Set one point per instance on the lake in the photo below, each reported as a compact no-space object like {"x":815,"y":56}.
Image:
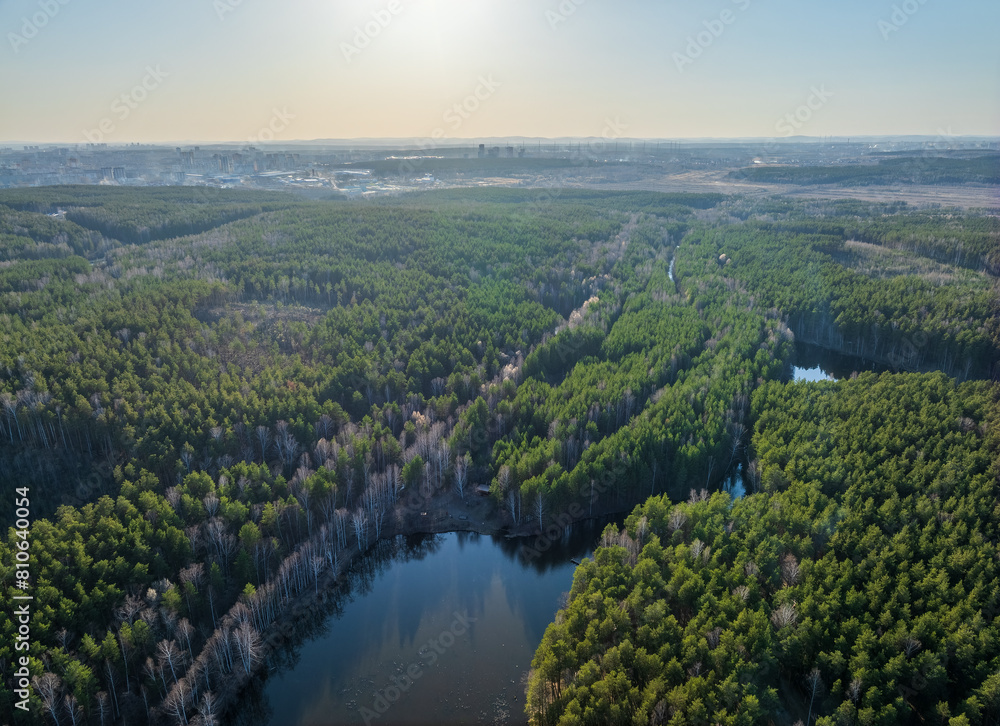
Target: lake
{"x":812,"y":363}
{"x":441,"y":629}
{"x":430,"y":629}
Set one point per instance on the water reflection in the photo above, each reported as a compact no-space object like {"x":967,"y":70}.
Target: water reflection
{"x":812,"y":375}
{"x":734,"y":485}
{"x":399,"y":599}
{"x":812,"y":363}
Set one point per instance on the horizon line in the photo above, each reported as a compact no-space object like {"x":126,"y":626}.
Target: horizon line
{"x":463,"y":141}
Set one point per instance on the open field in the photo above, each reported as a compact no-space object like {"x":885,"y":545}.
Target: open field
{"x":964,"y":196}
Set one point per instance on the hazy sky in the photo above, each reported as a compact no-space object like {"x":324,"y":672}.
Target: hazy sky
{"x":219,"y":70}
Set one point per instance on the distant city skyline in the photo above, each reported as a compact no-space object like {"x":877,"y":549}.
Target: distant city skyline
{"x":248,"y":71}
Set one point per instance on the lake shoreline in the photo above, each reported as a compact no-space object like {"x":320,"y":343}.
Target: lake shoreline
{"x":456,"y":515}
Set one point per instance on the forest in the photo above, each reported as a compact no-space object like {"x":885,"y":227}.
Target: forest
{"x":216,"y":398}
{"x":861,"y":578}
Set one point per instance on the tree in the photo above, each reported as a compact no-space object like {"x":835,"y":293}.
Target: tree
{"x":814,"y":681}
{"x":176,"y":703}
{"x":73,"y":708}
{"x":169,"y":655}
{"x":48,"y":686}
{"x":103,"y":707}
{"x":208,"y":709}
{"x":185,"y":630}
{"x":248,"y":646}
{"x":461,"y":472}
{"x":192,"y":577}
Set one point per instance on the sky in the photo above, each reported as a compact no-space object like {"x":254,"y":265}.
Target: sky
{"x":124,"y":71}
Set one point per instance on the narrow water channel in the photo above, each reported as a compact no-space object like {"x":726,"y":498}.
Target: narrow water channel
{"x":432,"y":629}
